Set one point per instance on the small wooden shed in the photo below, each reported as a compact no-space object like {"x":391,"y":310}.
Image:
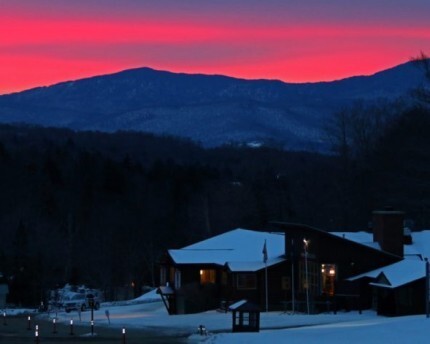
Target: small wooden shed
{"x":246,"y":316}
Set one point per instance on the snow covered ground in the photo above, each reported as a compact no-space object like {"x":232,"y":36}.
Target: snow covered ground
{"x":148,"y":312}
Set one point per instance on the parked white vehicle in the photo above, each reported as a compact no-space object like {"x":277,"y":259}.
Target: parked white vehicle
{"x":80,"y":302}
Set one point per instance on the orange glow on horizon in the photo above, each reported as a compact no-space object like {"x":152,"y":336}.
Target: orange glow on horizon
{"x":43,"y":51}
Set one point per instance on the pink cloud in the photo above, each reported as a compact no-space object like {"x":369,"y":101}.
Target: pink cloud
{"x":42,"y":49}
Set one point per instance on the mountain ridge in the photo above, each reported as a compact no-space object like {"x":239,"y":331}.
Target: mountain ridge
{"x":210,"y":109}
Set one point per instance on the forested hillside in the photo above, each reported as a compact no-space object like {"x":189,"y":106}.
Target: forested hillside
{"x":100,"y":209}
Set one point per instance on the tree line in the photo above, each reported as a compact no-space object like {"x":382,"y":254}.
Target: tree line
{"x":101,"y":209}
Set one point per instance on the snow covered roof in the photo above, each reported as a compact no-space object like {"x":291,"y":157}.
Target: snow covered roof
{"x":252,"y":265}
{"x":239,"y":249}
{"x":420,"y":246}
{"x":410,"y":269}
{"x":237,"y":304}
{"x":364,"y":238}
{"x":395,"y":275}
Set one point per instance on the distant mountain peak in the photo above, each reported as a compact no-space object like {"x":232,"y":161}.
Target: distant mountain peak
{"x":211,"y":109}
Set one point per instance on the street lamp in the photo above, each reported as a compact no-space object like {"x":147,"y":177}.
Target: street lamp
{"x":305,"y":247}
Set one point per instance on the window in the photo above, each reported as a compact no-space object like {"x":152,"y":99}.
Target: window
{"x":163,"y":275}
{"x":177,"y":279}
{"x":171,"y":274}
{"x":207,"y":276}
{"x":246,"y":281}
{"x":328,"y":278}
{"x":245,"y":319}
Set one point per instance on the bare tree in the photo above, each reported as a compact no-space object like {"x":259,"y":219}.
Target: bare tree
{"x":422,"y":61}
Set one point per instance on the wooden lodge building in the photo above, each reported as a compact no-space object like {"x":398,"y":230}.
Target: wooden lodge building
{"x":305,"y":269}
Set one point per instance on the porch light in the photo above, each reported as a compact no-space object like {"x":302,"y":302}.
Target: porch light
{"x":332,"y":272}
{"x":201,"y":272}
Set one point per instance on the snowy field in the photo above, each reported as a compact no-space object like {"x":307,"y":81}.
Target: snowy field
{"x":148,"y":312}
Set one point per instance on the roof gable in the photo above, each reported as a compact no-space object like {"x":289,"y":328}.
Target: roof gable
{"x":382,"y":279}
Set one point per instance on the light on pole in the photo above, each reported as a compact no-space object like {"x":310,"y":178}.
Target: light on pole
{"x":306,"y":246}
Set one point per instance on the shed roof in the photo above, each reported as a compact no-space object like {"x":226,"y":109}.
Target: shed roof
{"x":243,"y":305}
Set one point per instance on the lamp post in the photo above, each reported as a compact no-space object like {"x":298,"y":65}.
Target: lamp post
{"x":71,"y":327}
{"x":4,"y":319}
{"x":29,"y":323}
{"x":91,"y":302}
{"x":265,"y":257}
{"x":305,"y":246}
{"x":36,"y":334}
{"x":54,"y":326}
{"x":123,"y":335}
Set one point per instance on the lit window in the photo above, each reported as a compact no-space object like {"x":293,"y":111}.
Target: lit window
{"x":328,"y":278}
{"x":207,"y":276}
{"x":246,"y":281}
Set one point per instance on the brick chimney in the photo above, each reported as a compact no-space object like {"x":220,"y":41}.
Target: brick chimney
{"x":388,"y":230}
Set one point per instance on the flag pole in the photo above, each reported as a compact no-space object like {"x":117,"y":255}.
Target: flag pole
{"x":265,"y":274}
{"x":427,"y":287}
{"x":267,"y":294}
{"x":293,"y":296}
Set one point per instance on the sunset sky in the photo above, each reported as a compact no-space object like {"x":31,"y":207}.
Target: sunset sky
{"x":47,"y":41}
